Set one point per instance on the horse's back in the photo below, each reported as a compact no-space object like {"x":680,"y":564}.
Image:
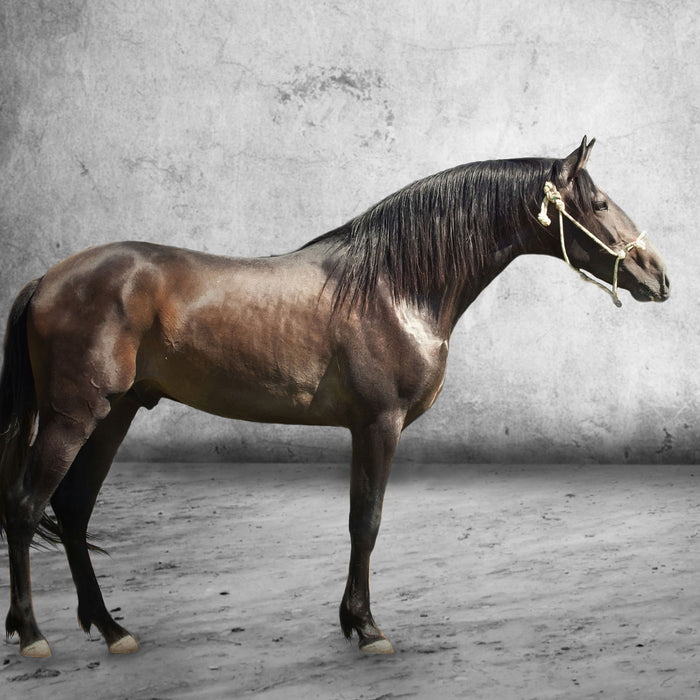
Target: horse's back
{"x":136,"y":281}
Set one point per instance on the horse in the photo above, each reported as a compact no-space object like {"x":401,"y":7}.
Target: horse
{"x":350,"y":330}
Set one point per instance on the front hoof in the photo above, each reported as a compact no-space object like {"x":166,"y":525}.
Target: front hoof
{"x":125,"y":645}
{"x":36,"y":650}
{"x":377,"y":645}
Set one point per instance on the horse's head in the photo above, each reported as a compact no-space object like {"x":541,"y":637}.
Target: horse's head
{"x":597,"y":236}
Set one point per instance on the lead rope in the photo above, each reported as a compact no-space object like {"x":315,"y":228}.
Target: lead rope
{"x":551,"y":195}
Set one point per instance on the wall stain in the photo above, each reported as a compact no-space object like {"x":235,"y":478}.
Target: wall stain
{"x":667,"y":444}
{"x":311,"y":83}
{"x":169,"y":175}
{"x":318,"y":97}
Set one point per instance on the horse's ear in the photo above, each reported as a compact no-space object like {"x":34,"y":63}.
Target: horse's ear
{"x":576,"y":161}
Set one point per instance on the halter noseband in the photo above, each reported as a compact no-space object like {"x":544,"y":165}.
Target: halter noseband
{"x":551,"y":195}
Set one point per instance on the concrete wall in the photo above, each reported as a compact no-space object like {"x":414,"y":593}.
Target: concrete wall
{"x":248,"y":128}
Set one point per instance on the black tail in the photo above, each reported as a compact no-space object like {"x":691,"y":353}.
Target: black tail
{"x":17,"y":398}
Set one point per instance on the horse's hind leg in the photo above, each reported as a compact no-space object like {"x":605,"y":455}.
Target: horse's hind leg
{"x":58,"y":440}
{"x":73,"y":503}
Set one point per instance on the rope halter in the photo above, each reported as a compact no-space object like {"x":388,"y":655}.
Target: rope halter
{"x":552,"y":196}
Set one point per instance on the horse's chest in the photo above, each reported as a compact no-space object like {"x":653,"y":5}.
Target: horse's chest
{"x":424,"y":377}
{"x":418,"y":357}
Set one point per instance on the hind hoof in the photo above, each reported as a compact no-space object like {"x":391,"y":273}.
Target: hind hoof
{"x":125,"y":645}
{"x":379,"y":645}
{"x":36,"y":650}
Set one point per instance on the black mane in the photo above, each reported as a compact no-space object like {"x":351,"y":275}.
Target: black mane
{"x":438,"y":229}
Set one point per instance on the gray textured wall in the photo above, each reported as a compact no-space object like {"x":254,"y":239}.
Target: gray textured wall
{"x":247,"y":128}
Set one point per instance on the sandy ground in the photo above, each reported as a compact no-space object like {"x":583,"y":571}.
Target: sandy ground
{"x":492,"y":582}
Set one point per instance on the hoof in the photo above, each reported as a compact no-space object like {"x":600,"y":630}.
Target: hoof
{"x":378,"y":645}
{"x":125,"y":645}
{"x":37,"y":650}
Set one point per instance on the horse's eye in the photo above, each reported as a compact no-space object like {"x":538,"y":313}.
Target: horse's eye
{"x":600,"y":205}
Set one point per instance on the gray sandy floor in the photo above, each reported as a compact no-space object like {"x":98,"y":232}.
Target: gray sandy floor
{"x":492,"y":582}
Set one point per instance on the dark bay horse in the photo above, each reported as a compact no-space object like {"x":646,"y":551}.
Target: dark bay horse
{"x":351,"y":330}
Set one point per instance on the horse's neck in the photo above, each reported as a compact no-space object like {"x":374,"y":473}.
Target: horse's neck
{"x":467,"y":290}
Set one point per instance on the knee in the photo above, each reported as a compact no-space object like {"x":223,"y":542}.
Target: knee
{"x":364,"y":527}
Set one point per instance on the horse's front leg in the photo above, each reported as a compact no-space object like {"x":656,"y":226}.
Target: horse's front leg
{"x":373,"y":447}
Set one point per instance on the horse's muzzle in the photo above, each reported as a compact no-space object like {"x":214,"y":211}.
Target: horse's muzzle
{"x":644,"y":292}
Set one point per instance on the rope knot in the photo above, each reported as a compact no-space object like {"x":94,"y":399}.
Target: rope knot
{"x":551,"y":191}
{"x":551,"y":195}
{"x":638,"y":242}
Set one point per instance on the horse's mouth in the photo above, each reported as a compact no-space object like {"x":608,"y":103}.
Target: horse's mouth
{"x":643,"y":292}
